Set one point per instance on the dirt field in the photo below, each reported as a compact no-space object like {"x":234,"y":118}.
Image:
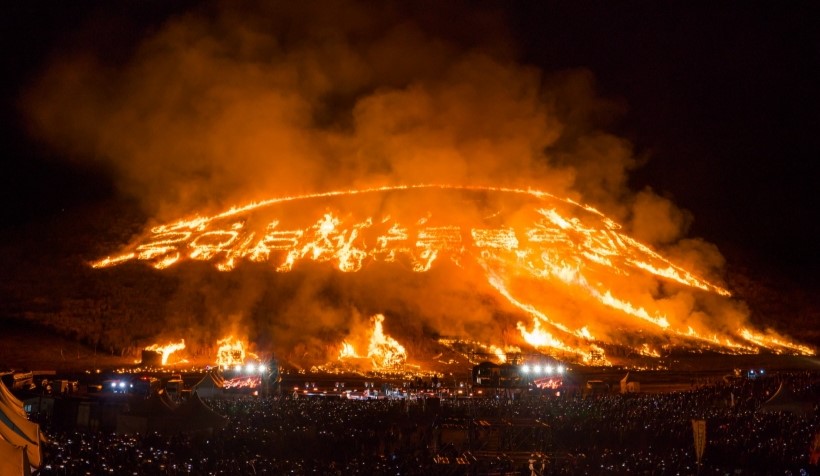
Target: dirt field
{"x":24,"y":347}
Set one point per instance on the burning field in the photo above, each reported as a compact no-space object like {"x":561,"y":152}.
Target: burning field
{"x":509,"y":268}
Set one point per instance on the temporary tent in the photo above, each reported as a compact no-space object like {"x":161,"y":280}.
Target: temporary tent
{"x":147,"y":415}
{"x":9,"y":399}
{"x":13,"y":460}
{"x":16,"y":429}
{"x":210,"y":386}
{"x":158,"y":413}
{"x":195,"y":415}
{"x":15,"y":406}
{"x":166,"y":399}
{"x":20,"y":424}
{"x":15,"y":438}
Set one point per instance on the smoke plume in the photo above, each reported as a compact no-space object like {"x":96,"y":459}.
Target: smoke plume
{"x":236,"y":102}
{"x":233,"y":103}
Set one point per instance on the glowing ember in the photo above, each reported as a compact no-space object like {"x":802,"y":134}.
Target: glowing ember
{"x":531,"y":247}
{"x":167,"y":350}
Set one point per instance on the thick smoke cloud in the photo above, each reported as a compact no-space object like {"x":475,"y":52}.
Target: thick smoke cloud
{"x":237,"y":102}
{"x":229,"y":104}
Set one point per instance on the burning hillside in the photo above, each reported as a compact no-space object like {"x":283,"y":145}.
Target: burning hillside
{"x":570,"y":274}
{"x":235,"y":103}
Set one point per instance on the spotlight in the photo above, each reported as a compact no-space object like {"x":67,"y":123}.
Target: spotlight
{"x":537,"y":369}
{"x":560,"y":369}
{"x":525,"y":369}
{"x":548,"y":369}
{"x":250,"y":368}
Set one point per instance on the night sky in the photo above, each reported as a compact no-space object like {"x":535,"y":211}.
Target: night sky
{"x":720,"y":102}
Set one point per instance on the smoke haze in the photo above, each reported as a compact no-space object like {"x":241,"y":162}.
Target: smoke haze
{"x":240,"y":102}
{"x":236,"y":102}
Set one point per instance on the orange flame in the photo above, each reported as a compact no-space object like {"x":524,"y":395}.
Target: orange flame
{"x":776,"y":343}
{"x":383,"y":351}
{"x":502,"y":352}
{"x":566,"y":244}
{"x":167,"y":350}
{"x":648,"y":351}
{"x":231,"y":352}
{"x":348,"y":351}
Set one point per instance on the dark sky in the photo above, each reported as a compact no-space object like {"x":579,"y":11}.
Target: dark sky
{"x":722,"y":100}
{"x":723,"y":97}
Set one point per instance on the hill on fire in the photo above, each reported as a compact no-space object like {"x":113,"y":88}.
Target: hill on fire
{"x":304,"y":313}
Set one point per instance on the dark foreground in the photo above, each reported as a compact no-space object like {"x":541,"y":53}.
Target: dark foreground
{"x":612,"y":434}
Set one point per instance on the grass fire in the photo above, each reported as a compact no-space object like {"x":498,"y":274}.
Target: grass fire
{"x":574,"y":281}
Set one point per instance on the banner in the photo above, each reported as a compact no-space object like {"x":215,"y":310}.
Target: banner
{"x":699,"y":431}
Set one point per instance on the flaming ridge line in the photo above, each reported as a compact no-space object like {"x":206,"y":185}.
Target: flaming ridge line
{"x":388,"y":188}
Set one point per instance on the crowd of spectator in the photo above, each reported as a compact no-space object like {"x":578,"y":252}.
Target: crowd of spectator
{"x":608,"y":434}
